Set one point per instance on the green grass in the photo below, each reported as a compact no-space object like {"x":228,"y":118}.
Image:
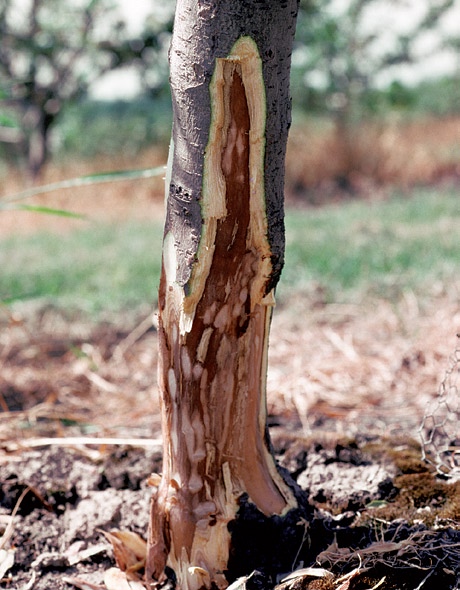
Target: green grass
{"x":347,"y":252}
{"x":379,"y":249}
{"x":97,"y":270}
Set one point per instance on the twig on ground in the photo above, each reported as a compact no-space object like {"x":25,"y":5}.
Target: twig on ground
{"x":79,"y":441}
{"x":10,"y":526}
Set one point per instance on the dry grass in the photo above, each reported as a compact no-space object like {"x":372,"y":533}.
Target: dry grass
{"x":134,"y":199}
{"x":347,"y":369}
{"x":396,"y":153}
{"x":336,"y":370}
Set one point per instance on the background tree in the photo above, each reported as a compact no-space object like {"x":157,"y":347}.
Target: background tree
{"x":343,"y":55}
{"x":221,"y":497}
{"x":51,"y":52}
{"x":147,"y":53}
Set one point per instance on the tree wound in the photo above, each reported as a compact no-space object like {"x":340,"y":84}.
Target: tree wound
{"x":213,"y":345}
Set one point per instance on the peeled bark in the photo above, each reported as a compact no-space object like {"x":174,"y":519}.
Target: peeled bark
{"x":222,"y":257}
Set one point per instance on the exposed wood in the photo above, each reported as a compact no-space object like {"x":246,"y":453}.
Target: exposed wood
{"x":216,"y":298}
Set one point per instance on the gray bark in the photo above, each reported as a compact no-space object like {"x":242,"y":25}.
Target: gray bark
{"x":204,"y":31}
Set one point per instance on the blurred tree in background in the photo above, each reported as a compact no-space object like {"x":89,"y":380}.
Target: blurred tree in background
{"x":346,"y":67}
{"x":345,"y":53}
{"x":48,"y":57}
{"x":51,"y":52}
{"x":345,"y":60}
{"x":147,"y":53}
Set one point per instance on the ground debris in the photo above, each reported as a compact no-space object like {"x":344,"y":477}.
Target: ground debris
{"x":381,"y":518}
{"x":347,"y":547}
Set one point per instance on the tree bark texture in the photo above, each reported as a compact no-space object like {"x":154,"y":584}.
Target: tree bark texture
{"x":222,"y":257}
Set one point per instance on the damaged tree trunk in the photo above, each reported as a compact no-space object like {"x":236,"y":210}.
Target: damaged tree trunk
{"x":222,"y":256}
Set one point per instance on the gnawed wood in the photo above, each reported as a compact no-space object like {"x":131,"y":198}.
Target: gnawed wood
{"x":216,"y":299}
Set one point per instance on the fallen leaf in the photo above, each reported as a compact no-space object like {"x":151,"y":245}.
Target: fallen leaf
{"x":301,"y":574}
{"x":78,"y":556}
{"x":312,"y":572}
{"x":129,"y":549}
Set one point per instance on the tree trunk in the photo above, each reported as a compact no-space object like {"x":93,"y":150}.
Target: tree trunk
{"x":222,"y":256}
{"x":37,"y":123}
